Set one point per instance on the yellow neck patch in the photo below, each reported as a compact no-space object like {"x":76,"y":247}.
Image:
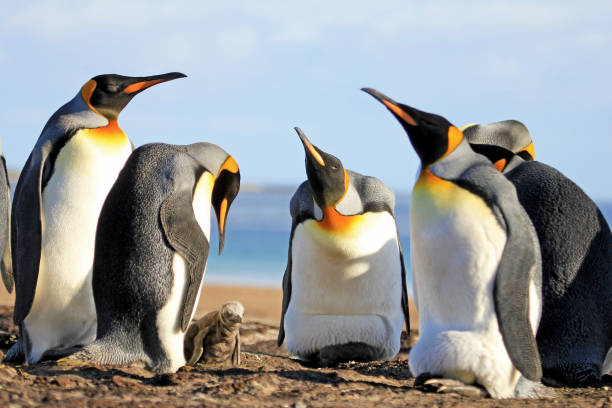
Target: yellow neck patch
{"x":334,"y":221}
{"x":110,"y":136}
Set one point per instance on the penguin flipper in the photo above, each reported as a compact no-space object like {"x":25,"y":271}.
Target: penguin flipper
{"x":286,"y":294}
{"x":185,"y":236}
{"x":512,"y":281}
{"x":26,"y":232}
{"x":301,"y":208}
{"x":6,"y":267}
{"x":405,"y":301}
{"x":519,"y":265}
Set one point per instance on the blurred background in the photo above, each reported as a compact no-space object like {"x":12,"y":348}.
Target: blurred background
{"x":257,"y":69}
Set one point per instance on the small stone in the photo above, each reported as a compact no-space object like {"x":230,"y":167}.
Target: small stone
{"x":300,"y":404}
{"x":67,"y":381}
{"x":166,"y":380}
{"x":7,"y":372}
{"x":125,"y":381}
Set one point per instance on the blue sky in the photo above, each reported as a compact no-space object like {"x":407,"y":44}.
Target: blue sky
{"x":257,"y":69}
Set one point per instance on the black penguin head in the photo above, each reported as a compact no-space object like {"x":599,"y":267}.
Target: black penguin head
{"x":499,"y":156}
{"x":227,"y":185}
{"x":109,"y":94}
{"x":226,"y":173}
{"x":431,"y":135}
{"x":327,"y":178}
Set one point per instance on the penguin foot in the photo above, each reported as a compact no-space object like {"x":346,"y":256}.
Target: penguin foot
{"x":71,"y":362}
{"x":428,"y":383}
{"x":15,"y":355}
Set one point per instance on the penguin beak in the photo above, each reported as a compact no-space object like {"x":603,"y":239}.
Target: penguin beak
{"x":401,"y":112}
{"x":311,"y":152}
{"x":139,"y":84}
{"x":224,"y":192}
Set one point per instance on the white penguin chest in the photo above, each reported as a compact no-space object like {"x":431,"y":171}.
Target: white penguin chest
{"x":356,"y":271}
{"x":456,"y":246}
{"x":83,"y":173}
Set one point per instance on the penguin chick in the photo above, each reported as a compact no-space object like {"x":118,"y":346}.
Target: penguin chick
{"x":215,"y":338}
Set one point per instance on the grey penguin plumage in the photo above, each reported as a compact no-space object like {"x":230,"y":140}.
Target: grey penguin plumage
{"x":475,"y":263}
{"x":575,"y":331}
{"x":215,"y":337}
{"x":6,"y":264}
{"x":152,"y":245}
{"x":55,"y":210}
{"x":344,"y":288}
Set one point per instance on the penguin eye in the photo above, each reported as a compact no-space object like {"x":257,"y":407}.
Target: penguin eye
{"x":334,"y":168}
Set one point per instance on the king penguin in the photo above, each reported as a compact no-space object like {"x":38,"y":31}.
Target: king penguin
{"x":152,"y":246}
{"x":55,"y":212}
{"x":344,"y":289}
{"x":6,"y":264}
{"x":575,"y":331}
{"x":475,"y":263}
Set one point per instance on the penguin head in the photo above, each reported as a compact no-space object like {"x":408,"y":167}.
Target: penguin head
{"x":431,"y":135}
{"x":499,"y":156}
{"x":511,"y":135}
{"x":225,"y":170}
{"x":108,"y":94}
{"x":327,"y":177}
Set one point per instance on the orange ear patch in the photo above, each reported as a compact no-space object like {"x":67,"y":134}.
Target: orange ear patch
{"x":500,"y":164}
{"x":139,"y":86}
{"x":230,"y":165}
{"x":529,"y":149}
{"x":86,"y":92}
{"x":455,"y":136}
{"x":400,"y":113}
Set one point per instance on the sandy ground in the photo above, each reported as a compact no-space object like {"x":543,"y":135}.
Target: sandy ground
{"x":267,"y":377}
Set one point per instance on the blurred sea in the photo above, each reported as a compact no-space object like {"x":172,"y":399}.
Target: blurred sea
{"x":257,"y":238}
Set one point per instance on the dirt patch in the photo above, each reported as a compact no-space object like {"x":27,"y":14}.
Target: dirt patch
{"x":266,"y":378}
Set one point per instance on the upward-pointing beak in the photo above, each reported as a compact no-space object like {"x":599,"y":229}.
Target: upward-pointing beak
{"x":142,"y":83}
{"x":311,"y":152}
{"x":393,"y":106}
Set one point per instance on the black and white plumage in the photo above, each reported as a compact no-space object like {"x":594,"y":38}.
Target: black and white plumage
{"x":475,"y":264}
{"x":152,"y":246}
{"x":55,"y":212}
{"x":344,"y":289}
{"x":575,"y":331}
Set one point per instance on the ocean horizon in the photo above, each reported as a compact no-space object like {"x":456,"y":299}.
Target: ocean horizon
{"x":257,"y":237}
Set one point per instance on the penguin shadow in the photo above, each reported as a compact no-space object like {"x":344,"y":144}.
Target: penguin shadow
{"x":82,"y":376}
{"x":336,"y":378}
